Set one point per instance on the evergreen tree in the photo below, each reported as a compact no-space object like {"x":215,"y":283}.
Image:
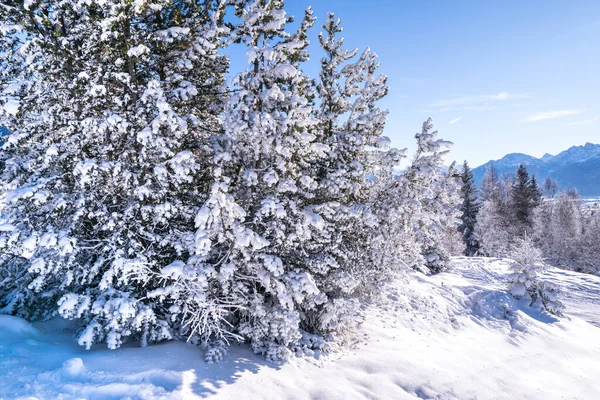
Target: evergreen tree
{"x":535,"y":192}
{"x":525,"y":197}
{"x":469,"y":209}
{"x":107,"y":158}
{"x":395,"y":246}
{"x":351,"y":124}
{"x":142,"y":201}
{"x":524,"y":281}
{"x":508,"y":212}
{"x":337,"y":173}
{"x":423,"y":186}
{"x":277,"y":238}
{"x":450,"y":196}
{"x":264,"y":189}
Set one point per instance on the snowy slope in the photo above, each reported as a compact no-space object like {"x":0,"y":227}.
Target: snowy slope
{"x":456,"y":335}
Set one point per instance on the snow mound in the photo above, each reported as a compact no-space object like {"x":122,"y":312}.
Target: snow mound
{"x":13,"y":327}
{"x":73,"y":367}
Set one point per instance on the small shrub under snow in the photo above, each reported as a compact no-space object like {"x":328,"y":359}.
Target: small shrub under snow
{"x":524,"y":280}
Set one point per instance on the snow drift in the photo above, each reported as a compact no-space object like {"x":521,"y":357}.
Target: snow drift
{"x":456,"y":335}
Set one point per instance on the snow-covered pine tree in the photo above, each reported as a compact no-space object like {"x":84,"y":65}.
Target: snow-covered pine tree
{"x":524,"y":280}
{"x":426,"y":192}
{"x":521,"y":195}
{"x":396,"y":245}
{"x":450,"y":197}
{"x":469,"y":209}
{"x":496,"y":225}
{"x":271,"y":154}
{"x":269,"y":240}
{"x":351,"y":124}
{"x":336,"y":176}
{"x":106,"y":161}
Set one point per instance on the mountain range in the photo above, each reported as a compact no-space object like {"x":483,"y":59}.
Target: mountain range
{"x":578,"y":167}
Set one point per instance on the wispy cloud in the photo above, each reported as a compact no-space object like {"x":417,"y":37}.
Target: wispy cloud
{"x":478,"y":102}
{"x":455,"y":120}
{"x":585,"y":121}
{"x":542,"y":116}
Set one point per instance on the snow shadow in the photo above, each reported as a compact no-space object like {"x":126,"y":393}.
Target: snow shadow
{"x":239,"y":362}
{"x":497,"y":306}
{"x":51,"y":364}
{"x":177,"y":369}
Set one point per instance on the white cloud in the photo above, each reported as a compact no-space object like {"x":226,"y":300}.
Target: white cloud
{"x":478,"y":102}
{"x":501,"y":96}
{"x":585,"y":121}
{"x":541,"y":116}
{"x":455,"y":120}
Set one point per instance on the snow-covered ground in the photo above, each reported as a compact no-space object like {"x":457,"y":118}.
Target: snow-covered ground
{"x":456,"y":335}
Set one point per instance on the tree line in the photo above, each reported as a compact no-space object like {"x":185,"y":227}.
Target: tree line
{"x":507,"y":210}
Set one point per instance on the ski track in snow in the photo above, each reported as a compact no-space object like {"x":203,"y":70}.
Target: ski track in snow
{"x":455,"y":335}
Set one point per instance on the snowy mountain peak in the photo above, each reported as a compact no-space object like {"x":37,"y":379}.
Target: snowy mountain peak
{"x":577,"y":167}
{"x":514,"y":159}
{"x":547,"y":157}
{"x":578,"y":153}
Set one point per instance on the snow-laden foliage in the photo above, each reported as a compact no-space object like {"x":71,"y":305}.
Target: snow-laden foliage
{"x":450,"y":199}
{"x":507,"y":212}
{"x":104,"y":168}
{"x":568,"y":232}
{"x":418,"y":210}
{"x":261,"y":253}
{"x":494,"y":226}
{"x":215,"y":352}
{"x":396,"y":244}
{"x":493,"y":230}
{"x":524,"y":281}
{"x":434,"y":196}
{"x":562,"y":226}
{"x":146,"y":199}
{"x":351,"y":124}
{"x":286,"y":230}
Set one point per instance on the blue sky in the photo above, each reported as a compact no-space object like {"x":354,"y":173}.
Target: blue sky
{"x":497,"y":77}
